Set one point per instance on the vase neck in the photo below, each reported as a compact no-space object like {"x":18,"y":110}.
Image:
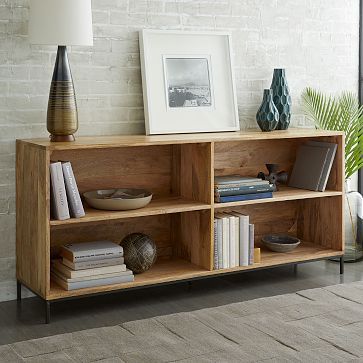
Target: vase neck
{"x":62,"y":69}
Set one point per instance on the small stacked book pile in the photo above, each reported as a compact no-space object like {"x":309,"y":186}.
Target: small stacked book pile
{"x":233,"y":240}
{"x":90,"y":264}
{"x":232,"y":188}
{"x":312,"y":166}
{"x":65,"y":199}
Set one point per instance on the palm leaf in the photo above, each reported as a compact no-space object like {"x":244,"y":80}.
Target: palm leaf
{"x":341,"y":113}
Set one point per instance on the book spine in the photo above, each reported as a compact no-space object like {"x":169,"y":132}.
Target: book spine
{"x":215,"y":245}
{"x":93,"y":264}
{"x":86,"y":256}
{"x":236,"y":198}
{"x":74,"y":199}
{"x":236,"y":244}
{"x":225,"y":242}
{"x":251,"y":244}
{"x":220,"y":242}
{"x":59,"y":196}
{"x":237,"y":185}
{"x":244,"y":240}
{"x":243,"y":190}
{"x":231,"y":242}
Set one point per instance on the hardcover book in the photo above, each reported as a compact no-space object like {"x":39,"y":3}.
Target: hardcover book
{"x":243,"y":238}
{"x":91,"y":283}
{"x":91,"y":251}
{"x":74,"y":199}
{"x":233,"y":179}
{"x":69,"y":273}
{"x":93,"y":264}
{"x":250,"y":189}
{"x":251,"y":244}
{"x":215,"y":246}
{"x":329,"y":162}
{"x":236,"y":198}
{"x":59,"y":201}
{"x":308,"y":167}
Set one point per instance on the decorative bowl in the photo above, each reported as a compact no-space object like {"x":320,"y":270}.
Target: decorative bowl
{"x":280,"y":242}
{"x":118,"y":199}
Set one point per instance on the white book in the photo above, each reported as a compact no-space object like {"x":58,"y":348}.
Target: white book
{"x":215,"y":245}
{"x":220,"y":242}
{"x":95,"y":277}
{"x":244,"y":241}
{"x":91,"y":283}
{"x":225,"y":239}
{"x":232,"y":240}
{"x":74,"y":199}
{"x":251,"y":256}
{"x":91,"y":251}
{"x":59,"y":201}
{"x":93,"y":264}
{"x":69,"y":273}
{"x":236,"y":245}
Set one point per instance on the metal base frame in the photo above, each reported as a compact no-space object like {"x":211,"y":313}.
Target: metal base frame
{"x":47,"y":303}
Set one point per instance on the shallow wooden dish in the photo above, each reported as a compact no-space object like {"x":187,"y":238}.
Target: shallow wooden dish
{"x":118,"y":199}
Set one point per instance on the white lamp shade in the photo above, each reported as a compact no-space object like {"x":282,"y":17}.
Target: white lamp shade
{"x":60,"y":22}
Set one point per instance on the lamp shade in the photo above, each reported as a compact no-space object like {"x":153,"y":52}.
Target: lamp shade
{"x":60,"y":22}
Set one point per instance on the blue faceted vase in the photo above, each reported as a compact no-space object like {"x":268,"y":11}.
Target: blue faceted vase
{"x":282,"y":98}
{"x":267,"y":115}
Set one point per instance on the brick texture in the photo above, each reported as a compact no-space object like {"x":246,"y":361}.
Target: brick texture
{"x":315,"y":40}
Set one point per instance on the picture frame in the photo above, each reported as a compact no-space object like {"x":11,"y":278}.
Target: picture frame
{"x":188,"y":82}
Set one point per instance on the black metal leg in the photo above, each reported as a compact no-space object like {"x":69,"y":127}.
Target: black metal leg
{"x":18,"y":290}
{"x":47,"y":312}
{"x":189,"y":285}
{"x":295,"y":268}
{"x":341,"y":265}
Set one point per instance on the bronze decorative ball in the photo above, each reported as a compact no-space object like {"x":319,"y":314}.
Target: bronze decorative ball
{"x":139,"y":252}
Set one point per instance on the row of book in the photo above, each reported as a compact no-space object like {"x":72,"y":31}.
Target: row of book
{"x":65,"y":199}
{"x":90,"y":264}
{"x":314,"y":160}
{"x":232,"y":188}
{"x":233,"y":240}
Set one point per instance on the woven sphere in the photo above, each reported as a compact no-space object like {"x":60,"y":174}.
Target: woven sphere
{"x":139,"y":252}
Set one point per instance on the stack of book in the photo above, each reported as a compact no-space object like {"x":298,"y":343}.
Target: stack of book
{"x":312,"y":166}
{"x":90,"y":264}
{"x":232,"y":188}
{"x":233,"y":240}
{"x":65,"y":199}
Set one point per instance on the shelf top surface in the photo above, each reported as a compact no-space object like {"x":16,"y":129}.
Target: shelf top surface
{"x":92,"y":142}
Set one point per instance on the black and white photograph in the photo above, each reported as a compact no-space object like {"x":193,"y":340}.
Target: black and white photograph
{"x":188,"y":82}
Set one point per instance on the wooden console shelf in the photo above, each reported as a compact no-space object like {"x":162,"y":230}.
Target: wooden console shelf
{"x":179,"y":170}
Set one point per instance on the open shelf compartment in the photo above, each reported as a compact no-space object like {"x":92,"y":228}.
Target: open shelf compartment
{"x":179,"y":176}
{"x":183,"y":243}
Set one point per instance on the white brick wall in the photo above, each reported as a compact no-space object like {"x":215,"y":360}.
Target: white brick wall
{"x":315,"y":40}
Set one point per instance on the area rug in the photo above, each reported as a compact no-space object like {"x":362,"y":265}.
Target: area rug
{"x":316,"y":325}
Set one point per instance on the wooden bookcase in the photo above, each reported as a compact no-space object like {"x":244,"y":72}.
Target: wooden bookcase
{"x":179,"y":170}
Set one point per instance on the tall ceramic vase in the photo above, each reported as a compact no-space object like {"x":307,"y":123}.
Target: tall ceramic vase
{"x":267,"y":115}
{"x":282,"y":98}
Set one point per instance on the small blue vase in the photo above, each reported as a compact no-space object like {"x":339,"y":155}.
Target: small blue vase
{"x":267,"y":115}
{"x":282,"y":98}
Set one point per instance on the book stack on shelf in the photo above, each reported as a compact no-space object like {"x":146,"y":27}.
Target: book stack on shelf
{"x":90,"y":264}
{"x":232,"y":188}
{"x":65,"y":199}
{"x":233,"y":240}
{"x":312,"y":166}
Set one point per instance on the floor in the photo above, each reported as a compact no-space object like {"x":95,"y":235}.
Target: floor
{"x":26,"y":321}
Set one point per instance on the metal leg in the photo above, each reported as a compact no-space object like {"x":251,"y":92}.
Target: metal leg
{"x":47,"y":312}
{"x":341,"y":265}
{"x":189,"y":285}
{"x":295,"y":268}
{"x":18,"y":290}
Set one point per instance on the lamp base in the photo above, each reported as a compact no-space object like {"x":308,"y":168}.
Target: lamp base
{"x":62,"y":138}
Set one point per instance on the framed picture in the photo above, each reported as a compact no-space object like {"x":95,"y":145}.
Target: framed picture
{"x":188,"y":82}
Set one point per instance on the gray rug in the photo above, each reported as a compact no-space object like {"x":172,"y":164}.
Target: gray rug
{"x":317,"y":325}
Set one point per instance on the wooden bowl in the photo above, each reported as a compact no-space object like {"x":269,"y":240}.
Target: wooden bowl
{"x":280,"y":242}
{"x":118,"y":199}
